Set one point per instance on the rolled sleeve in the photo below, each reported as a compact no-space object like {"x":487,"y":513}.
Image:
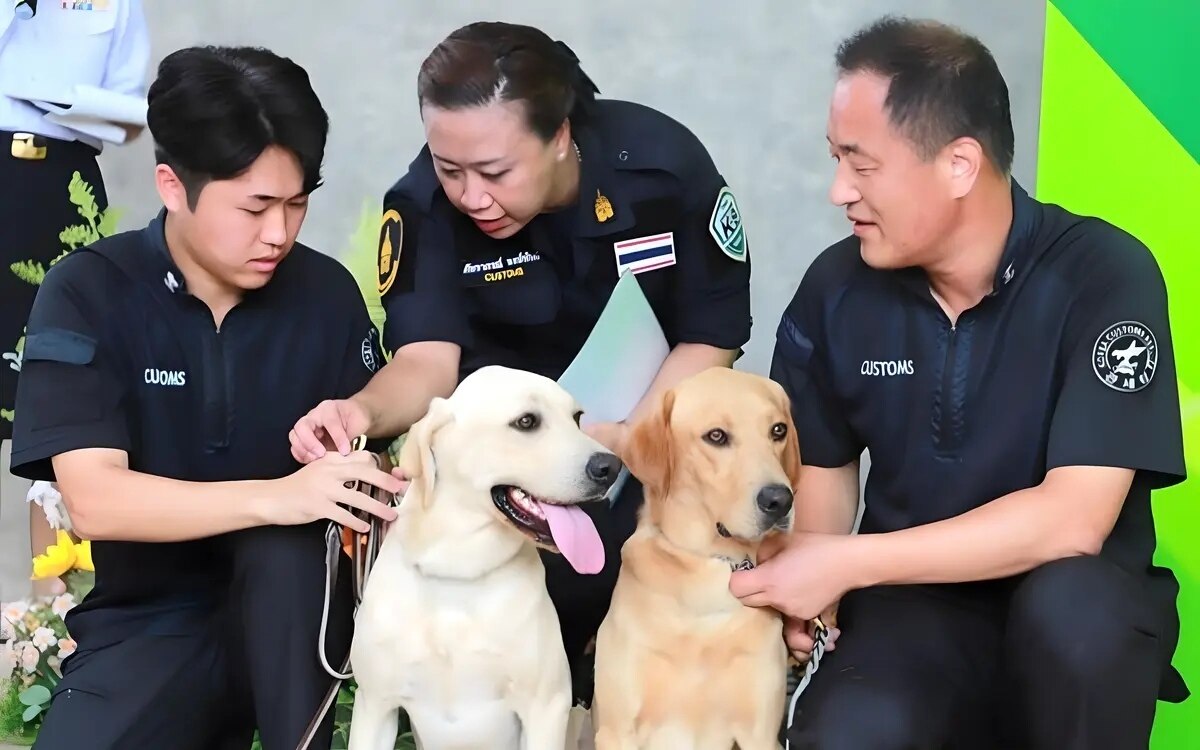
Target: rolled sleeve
{"x":1119,"y":401}
{"x":69,"y":393}
{"x":419,"y":281}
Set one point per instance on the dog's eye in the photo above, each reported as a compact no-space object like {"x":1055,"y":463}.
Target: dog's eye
{"x":578,"y":417}
{"x":778,"y":431}
{"x":716,"y":437}
{"x":526,"y":422}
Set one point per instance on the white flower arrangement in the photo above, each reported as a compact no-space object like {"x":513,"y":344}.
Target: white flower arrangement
{"x":33,"y":644}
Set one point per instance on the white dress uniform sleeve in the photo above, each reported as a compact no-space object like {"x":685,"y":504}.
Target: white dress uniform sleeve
{"x":129,"y":55}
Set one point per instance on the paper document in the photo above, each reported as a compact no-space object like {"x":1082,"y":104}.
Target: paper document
{"x":105,"y":131}
{"x":88,"y":109}
{"x":619,"y":360}
{"x":94,"y":103}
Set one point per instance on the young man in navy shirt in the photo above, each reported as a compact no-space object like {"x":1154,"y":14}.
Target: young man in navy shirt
{"x":163,"y":370}
{"x":1009,"y":367}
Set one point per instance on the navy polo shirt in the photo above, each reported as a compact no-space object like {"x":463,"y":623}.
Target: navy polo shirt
{"x":119,"y":355}
{"x":1067,"y":362}
{"x":650,"y":201}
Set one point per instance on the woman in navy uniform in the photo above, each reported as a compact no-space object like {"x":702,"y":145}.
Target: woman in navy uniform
{"x":505,"y":238}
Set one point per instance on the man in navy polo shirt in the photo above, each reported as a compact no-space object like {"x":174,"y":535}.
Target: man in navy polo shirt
{"x":1009,"y":367}
{"x":163,"y":370}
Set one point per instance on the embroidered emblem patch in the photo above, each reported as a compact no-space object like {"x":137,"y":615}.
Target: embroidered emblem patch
{"x":391,"y":239}
{"x":643,"y":254}
{"x":725,"y":225}
{"x":1125,"y":356}
{"x":370,"y":360}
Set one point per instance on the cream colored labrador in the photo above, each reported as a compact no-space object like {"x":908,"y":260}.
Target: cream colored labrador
{"x":680,"y":662}
{"x":456,"y":626}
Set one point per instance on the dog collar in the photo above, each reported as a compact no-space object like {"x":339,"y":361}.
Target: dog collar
{"x":736,"y":565}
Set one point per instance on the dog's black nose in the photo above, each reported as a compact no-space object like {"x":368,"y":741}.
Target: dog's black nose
{"x":775,"y":500}
{"x":603,"y":468}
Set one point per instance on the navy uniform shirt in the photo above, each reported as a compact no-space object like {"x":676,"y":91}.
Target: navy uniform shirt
{"x":650,"y":201}
{"x":1067,"y":362}
{"x":119,"y":355}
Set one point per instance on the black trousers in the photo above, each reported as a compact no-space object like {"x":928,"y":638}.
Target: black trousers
{"x":254,"y":664}
{"x":35,"y":207}
{"x":1067,"y":657}
{"x":582,"y":600}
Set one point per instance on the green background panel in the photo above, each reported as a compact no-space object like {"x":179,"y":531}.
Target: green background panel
{"x":1151,"y":44}
{"x":1109,"y":146}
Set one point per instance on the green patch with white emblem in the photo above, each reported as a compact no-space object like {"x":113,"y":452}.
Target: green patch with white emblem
{"x":726,"y":226}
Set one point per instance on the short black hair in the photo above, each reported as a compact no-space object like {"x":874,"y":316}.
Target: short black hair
{"x":490,"y":61}
{"x":213,"y":110}
{"x":944,"y":84}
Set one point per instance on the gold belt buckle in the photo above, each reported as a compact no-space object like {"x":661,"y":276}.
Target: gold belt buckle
{"x":24,"y":147}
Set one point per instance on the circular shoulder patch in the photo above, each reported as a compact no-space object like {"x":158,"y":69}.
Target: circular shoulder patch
{"x":1125,"y":356}
{"x":391,"y":239}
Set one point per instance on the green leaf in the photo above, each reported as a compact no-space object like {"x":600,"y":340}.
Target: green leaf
{"x":29,"y":271}
{"x":61,"y":255}
{"x":35,"y":695}
{"x":108,"y":222}
{"x":31,"y":713}
{"x":81,"y":195}
{"x":77,"y":236}
{"x":7,"y":414}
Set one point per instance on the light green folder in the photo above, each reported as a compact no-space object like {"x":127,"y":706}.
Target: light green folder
{"x":619,"y":360}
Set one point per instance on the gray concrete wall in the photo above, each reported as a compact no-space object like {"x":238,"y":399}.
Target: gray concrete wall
{"x":752,"y":79}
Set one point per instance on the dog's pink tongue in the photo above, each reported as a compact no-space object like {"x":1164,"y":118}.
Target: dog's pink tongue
{"x":575,"y":536}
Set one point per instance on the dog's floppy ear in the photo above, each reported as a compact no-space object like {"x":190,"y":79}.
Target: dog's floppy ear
{"x":416,"y":459}
{"x":648,"y":451}
{"x":791,"y":447}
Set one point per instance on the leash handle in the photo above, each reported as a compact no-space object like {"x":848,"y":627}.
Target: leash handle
{"x":362,"y":560}
{"x":820,"y":638}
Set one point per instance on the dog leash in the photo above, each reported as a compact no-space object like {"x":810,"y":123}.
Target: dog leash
{"x":820,"y":637}
{"x":364,"y":549}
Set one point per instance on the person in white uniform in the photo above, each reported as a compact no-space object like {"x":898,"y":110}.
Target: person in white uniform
{"x":55,"y":54}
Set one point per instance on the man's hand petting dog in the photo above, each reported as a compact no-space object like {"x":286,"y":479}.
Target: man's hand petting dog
{"x":329,"y":427}
{"x":320,"y":489}
{"x":802,"y":575}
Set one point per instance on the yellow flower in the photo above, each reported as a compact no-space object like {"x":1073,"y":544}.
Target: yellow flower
{"x":58,"y":558}
{"x":83,"y":556}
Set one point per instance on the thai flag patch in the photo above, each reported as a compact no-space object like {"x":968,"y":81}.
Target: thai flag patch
{"x":645,"y":253}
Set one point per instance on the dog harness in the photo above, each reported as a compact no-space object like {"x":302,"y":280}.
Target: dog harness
{"x":364,"y":549}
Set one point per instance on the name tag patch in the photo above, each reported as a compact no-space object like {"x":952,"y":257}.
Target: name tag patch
{"x":500,"y":269}
{"x":643,"y":254}
{"x":154,"y":376}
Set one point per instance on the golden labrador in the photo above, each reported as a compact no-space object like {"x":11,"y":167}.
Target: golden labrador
{"x":680,"y":662}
